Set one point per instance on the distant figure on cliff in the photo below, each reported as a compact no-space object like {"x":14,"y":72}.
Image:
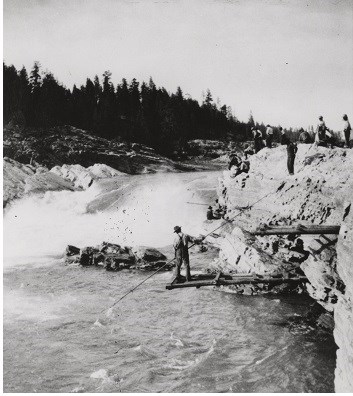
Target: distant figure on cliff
{"x":284,"y":139}
{"x":181,"y":248}
{"x":258,"y":144}
{"x":304,"y":136}
{"x":346,"y":130}
{"x":291,"y":151}
{"x":323,"y":136}
{"x":269,"y":136}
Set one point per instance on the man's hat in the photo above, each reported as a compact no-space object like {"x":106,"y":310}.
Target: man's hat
{"x":321,"y":117}
{"x":177,"y":229}
{"x":210,"y":207}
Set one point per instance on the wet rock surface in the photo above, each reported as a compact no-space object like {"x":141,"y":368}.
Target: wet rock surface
{"x":115,"y":257}
{"x":319,"y":193}
{"x":20,"y":179}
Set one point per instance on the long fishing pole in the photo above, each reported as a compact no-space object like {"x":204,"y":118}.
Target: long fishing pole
{"x":195,"y":243}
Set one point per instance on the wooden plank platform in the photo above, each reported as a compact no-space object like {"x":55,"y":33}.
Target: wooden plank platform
{"x":225,"y":279}
{"x":298,"y":229}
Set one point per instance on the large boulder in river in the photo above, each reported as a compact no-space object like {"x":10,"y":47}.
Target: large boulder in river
{"x":72,"y":254}
{"x":147,"y":254}
{"x":87,"y":256}
{"x":115,"y":257}
{"x":108,"y":255}
{"x":148,"y":258}
{"x":117,"y":254}
{"x":72,"y":250}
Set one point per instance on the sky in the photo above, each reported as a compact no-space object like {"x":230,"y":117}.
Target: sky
{"x":288,"y":61}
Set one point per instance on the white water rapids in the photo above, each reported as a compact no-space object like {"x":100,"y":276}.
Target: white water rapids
{"x":56,"y":340}
{"x":136,"y":210}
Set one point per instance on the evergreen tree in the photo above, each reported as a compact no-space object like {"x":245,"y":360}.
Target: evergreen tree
{"x":132,"y":112}
{"x":208,"y":99}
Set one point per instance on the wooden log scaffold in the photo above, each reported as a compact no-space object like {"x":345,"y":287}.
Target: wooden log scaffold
{"x":221,"y":279}
{"x":297,"y":229}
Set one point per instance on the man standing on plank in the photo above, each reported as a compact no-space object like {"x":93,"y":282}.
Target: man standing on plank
{"x":181,"y":248}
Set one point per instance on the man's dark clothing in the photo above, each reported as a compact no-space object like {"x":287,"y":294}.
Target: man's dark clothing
{"x":182,"y":254}
{"x":257,"y":141}
{"x":347,"y":133}
{"x":291,"y":151}
{"x":284,"y":140}
{"x":269,"y":141}
{"x":210,"y":214}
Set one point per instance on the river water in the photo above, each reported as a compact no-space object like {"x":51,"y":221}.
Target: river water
{"x":59,"y":335}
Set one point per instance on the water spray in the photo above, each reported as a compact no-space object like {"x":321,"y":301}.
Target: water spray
{"x":203,"y":238}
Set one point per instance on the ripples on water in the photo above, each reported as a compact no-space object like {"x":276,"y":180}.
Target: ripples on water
{"x":56,"y":339}
{"x":155,"y":341}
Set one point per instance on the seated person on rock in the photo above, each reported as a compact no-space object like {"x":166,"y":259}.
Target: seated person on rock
{"x":210,"y":213}
{"x":302,"y":254}
{"x":219,"y":210}
{"x":242,"y":167}
{"x":248,"y":150}
{"x":234,"y":159}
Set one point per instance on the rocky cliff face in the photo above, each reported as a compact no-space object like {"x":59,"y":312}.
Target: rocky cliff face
{"x":59,"y":158}
{"x":20,"y":179}
{"x":320,"y":192}
{"x":343,"y":311}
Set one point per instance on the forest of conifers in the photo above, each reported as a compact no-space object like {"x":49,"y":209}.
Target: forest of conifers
{"x":130,"y":111}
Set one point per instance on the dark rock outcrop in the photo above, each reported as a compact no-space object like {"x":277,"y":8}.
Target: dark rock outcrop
{"x":69,"y":145}
{"x":115,"y":257}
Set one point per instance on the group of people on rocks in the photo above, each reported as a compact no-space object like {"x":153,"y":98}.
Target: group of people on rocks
{"x":260,"y":140}
{"x":240,"y":164}
{"x":323,"y":137}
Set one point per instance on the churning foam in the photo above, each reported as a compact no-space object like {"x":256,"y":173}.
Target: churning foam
{"x":39,"y":226}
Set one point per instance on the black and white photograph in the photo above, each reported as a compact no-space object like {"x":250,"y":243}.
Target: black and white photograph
{"x":177,"y":196}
